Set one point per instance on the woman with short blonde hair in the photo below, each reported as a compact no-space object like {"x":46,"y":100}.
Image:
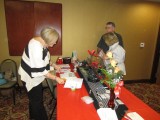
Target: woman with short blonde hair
{"x":35,"y":67}
{"x":49,"y":34}
{"x":118,"y":51}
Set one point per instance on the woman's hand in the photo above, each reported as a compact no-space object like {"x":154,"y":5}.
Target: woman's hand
{"x":104,"y":57}
{"x":60,"y":80}
{"x":58,"y":68}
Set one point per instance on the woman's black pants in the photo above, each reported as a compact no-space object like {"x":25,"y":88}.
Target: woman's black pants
{"x":36,"y":107}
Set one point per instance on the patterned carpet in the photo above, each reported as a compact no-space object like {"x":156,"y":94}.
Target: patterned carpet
{"x":149,"y":93}
{"x":20,"y":111}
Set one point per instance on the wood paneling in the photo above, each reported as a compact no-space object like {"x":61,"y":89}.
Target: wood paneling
{"x":25,"y":19}
{"x":45,"y":16}
{"x":20,"y":24}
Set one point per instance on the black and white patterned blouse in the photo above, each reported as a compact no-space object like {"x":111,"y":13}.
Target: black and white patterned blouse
{"x":34,"y":64}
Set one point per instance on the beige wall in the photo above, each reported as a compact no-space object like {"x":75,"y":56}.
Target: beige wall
{"x":84,"y":22}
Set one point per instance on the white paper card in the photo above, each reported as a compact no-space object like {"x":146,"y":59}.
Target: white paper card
{"x":134,"y":116}
{"x":107,"y":114}
{"x":73,"y":82}
{"x":87,"y":99}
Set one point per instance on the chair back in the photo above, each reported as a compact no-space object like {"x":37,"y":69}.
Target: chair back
{"x":9,"y":64}
{"x":52,"y":86}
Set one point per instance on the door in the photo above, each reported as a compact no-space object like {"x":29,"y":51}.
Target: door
{"x":155,"y":75}
{"x":158,"y":72}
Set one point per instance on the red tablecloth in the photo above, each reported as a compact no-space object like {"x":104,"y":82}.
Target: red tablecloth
{"x":71,"y":107}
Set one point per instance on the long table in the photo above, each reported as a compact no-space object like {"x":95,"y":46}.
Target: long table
{"x":71,"y":107}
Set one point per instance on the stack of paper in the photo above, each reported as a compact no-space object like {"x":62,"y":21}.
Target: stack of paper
{"x":107,"y":114}
{"x":73,"y":82}
{"x":64,"y":68}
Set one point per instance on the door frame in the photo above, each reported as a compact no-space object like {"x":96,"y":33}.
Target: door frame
{"x":156,"y":59}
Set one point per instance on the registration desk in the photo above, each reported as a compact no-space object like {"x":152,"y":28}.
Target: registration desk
{"x":71,"y":107}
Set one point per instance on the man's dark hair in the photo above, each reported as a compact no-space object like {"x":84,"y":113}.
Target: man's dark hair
{"x":111,"y":23}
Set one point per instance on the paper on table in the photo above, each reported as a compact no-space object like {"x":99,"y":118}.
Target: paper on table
{"x":64,"y":70}
{"x":87,"y":99}
{"x":64,"y":66}
{"x":73,"y":82}
{"x":107,"y":114}
{"x":67,"y":74}
{"x":134,"y":116}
